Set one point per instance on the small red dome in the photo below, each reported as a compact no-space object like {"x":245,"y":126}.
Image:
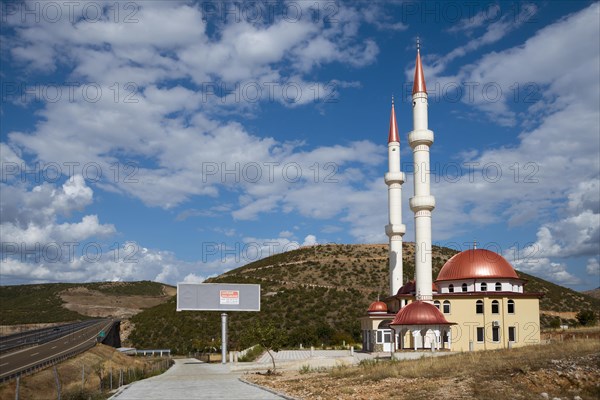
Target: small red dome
{"x":411,"y":287}
{"x":420,"y":313}
{"x":476,"y":263}
{"x":378,"y":307}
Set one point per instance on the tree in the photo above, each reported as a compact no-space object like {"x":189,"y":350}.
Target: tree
{"x":268,"y":336}
{"x":586,"y":317}
{"x":555,"y":323}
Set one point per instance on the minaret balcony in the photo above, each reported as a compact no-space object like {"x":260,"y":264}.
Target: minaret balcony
{"x":419,"y":203}
{"x":395,"y":229}
{"x":419,"y":137}
{"x":394,"y":177}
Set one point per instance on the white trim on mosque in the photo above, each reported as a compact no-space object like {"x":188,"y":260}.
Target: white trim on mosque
{"x":480,"y":285}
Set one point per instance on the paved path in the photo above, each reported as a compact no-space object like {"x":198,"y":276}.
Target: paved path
{"x":191,"y":379}
{"x":289,"y":355}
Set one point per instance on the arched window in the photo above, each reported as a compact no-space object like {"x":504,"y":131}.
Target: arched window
{"x":479,"y":307}
{"x":495,"y":307}
{"x":484,"y":287}
{"x":511,"y":307}
{"x":498,"y":286}
{"x":451,"y":288}
{"x":437,"y":304}
{"x":446,"y":307}
{"x":464,"y":287}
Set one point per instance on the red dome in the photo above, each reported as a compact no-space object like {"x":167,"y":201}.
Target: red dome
{"x":420,"y":313}
{"x":477,"y":263}
{"x":411,"y":287}
{"x":378,"y":307}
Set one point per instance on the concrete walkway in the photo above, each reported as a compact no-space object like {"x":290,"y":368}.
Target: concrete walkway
{"x":191,"y":379}
{"x":291,"y":355}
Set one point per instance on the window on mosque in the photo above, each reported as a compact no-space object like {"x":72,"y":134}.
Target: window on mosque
{"x":437,"y":304}
{"x":379,"y":336}
{"x":451,"y":288}
{"x":495,"y":307}
{"x":464,"y":287}
{"x":446,"y":307}
{"x":484,"y":287}
{"x":495,"y":333}
{"x":498,"y":286}
{"x":480,"y":334}
{"x":512,"y":334}
{"x":511,"y":307}
{"x":479,"y":307}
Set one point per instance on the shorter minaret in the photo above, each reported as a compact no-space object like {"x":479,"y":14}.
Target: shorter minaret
{"x":394,"y":178}
{"x":420,"y":139}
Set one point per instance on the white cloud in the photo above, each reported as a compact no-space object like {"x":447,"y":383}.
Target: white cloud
{"x":29,"y":217}
{"x":193,"y":278}
{"x":496,"y":29}
{"x":593,"y":267}
{"x":546,"y":269}
{"x":129,"y":262}
{"x":310,"y":240}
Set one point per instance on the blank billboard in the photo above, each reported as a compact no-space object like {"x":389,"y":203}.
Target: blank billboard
{"x":218,"y":297}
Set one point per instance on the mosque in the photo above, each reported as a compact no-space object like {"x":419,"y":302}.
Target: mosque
{"x":477,"y":301}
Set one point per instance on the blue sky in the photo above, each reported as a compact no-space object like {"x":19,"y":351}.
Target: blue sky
{"x":173,"y":141}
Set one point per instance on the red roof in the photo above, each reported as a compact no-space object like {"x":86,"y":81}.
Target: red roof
{"x":476,"y":264}
{"x":419,"y":82}
{"x":378,"y":307}
{"x":420,"y":313}
{"x":411,"y":287}
{"x":393,"y":135}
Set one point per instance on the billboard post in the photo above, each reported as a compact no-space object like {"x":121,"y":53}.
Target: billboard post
{"x":223,"y":338}
{"x":222,"y":297}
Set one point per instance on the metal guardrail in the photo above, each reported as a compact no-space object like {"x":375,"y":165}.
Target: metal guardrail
{"x":46,"y":363}
{"x":85,"y":346}
{"x":40,"y":336}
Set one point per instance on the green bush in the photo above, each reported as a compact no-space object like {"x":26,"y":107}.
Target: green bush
{"x":586,"y":317}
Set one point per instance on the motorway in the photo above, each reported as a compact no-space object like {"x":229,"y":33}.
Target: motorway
{"x":38,"y":336}
{"x":78,"y":340}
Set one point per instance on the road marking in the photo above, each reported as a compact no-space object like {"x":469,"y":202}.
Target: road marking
{"x":2,"y":365}
{"x":34,"y":354}
{"x":53,"y":347}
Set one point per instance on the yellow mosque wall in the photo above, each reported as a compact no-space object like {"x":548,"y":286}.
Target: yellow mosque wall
{"x":525,"y":320}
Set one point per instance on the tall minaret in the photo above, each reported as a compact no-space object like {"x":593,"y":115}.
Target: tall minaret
{"x":394,"y":178}
{"x":423,"y":202}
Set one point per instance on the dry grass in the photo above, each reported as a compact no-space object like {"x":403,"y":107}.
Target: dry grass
{"x":559,"y":369}
{"x":42,"y":385}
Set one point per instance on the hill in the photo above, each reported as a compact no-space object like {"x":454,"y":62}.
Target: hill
{"x":595,"y":293}
{"x":62,"y":302}
{"x":315,"y":295}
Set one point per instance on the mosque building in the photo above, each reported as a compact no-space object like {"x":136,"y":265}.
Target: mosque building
{"x":477,"y":301}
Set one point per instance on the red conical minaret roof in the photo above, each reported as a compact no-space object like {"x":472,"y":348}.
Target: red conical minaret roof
{"x":393,"y":135}
{"x":419,"y":82}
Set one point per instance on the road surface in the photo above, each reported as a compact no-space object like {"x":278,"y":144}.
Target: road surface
{"x":20,"y":360}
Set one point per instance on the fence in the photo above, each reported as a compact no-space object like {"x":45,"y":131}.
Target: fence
{"x":93,"y":379}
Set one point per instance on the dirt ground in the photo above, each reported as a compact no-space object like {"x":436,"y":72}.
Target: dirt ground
{"x":561,"y":314}
{"x":97,"y":304}
{"x":570,"y":373}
